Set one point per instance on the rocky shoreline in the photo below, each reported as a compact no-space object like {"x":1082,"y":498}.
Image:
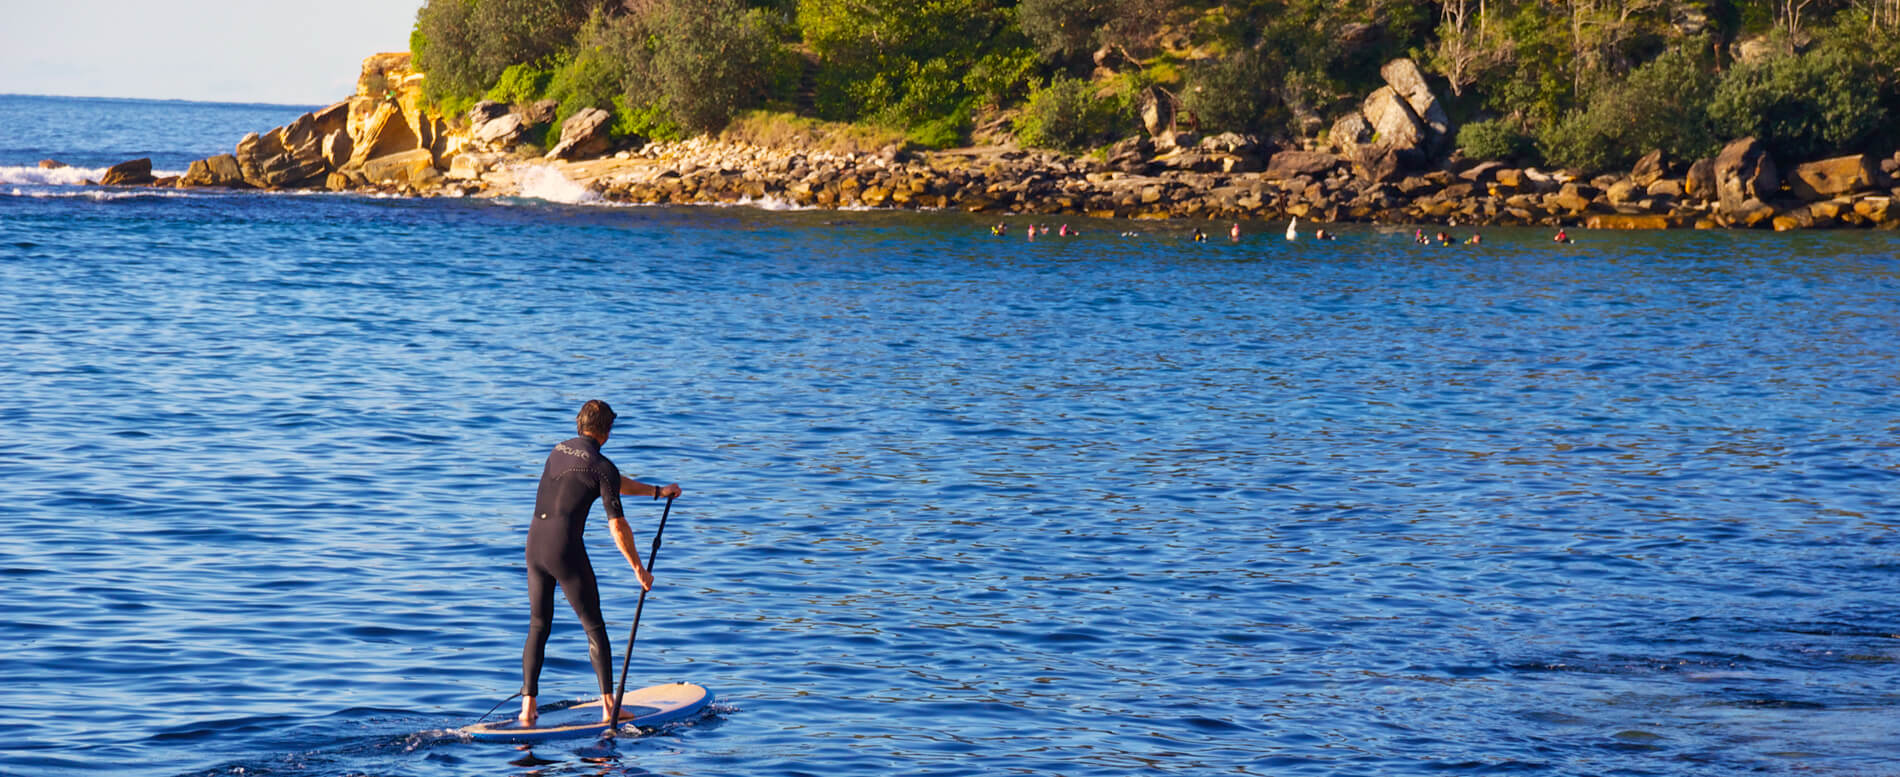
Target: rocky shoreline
{"x":385,"y":139}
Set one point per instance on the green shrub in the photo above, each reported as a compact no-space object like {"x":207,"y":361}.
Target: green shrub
{"x":1066,"y":28}
{"x":1803,"y":105}
{"x":1072,"y":29}
{"x":943,"y":132}
{"x":1230,"y":93}
{"x":924,"y":91}
{"x":521,"y":84}
{"x":1494,"y":139}
{"x":1004,"y":76}
{"x":650,"y":121}
{"x":709,"y":59}
{"x":1066,"y":115}
{"x":591,"y":78}
{"x":1664,"y":104}
{"x":464,"y":45}
{"x":902,"y":63}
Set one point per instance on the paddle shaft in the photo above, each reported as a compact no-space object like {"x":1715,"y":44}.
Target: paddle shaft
{"x":653,"y":555}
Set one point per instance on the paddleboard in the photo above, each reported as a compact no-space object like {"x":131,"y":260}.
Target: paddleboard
{"x":646,"y":707}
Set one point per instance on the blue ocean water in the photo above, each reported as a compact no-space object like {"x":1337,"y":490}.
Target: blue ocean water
{"x":955,"y":504}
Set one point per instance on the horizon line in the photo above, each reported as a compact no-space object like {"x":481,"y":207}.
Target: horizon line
{"x":172,"y":100}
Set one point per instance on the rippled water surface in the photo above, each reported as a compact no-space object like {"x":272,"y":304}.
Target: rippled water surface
{"x":955,"y":504}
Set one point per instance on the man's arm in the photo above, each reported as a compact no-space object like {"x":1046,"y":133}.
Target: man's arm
{"x":623,"y":537}
{"x":631,"y":487}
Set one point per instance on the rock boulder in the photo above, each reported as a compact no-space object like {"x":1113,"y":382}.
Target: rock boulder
{"x":1349,"y":133}
{"x":1649,"y":169}
{"x":486,"y":111}
{"x":1408,"y":82}
{"x":1394,"y":125}
{"x":1131,"y":154}
{"x":1157,"y":111}
{"x":1292,"y":164}
{"x":411,"y":167}
{"x":583,"y":135}
{"x":1700,"y":184}
{"x":337,"y":149}
{"x":286,"y":157}
{"x":1830,"y":177}
{"x":383,"y":131}
{"x":335,"y":118}
{"x":136,"y":172}
{"x":1744,"y":171}
{"x":502,"y":132}
{"x":540,"y":112}
{"x":220,"y":170}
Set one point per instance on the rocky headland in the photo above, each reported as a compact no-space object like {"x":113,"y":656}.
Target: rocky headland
{"x":1387,"y":162}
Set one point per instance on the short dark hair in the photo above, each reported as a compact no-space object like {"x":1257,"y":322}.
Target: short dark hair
{"x":595,"y":416}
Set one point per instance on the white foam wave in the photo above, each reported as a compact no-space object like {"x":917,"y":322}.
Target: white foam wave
{"x":61,"y":176}
{"x":98,"y":195}
{"x":769,"y":202}
{"x":546,"y":183}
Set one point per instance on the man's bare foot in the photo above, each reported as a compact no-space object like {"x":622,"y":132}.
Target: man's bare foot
{"x":606,"y":711}
{"x":528,"y":713}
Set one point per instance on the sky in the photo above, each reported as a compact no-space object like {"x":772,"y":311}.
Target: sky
{"x":253,"y":51}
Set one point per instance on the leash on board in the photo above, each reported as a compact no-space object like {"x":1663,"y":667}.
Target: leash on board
{"x":491,"y":710}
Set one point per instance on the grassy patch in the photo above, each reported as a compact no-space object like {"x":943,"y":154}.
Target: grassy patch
{"x":783,"y":130}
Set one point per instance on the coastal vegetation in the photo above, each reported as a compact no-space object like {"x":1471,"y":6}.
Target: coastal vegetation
{"x":1624,"y":114}
{"x":1589,"y":85}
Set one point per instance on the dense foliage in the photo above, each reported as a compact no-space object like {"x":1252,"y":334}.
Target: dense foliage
{"x":1588,"y":84}
{"x":1067,"y":114}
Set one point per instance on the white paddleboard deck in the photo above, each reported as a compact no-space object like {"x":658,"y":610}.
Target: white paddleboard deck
{"x":647,"y":707}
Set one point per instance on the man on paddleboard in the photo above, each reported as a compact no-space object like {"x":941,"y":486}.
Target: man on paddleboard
{"x":575,"y":475}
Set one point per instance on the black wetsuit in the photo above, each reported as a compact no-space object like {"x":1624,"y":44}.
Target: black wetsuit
{"x":576,"y":474}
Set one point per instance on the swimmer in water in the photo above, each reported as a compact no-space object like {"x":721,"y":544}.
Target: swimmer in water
{"x":1199,"y":236}
{"x":1322,"y":234}
{"x":1475,"y":239}
{"x":1561,"y":237}
{"x":1233,"y":232}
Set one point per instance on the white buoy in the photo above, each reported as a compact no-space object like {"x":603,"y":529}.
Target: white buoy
{"x":1291,"y":228}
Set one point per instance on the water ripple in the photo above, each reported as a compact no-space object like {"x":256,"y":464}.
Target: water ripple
{"x":955,"y":505}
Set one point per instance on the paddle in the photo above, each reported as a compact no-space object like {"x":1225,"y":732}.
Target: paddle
{"x":652,"y":556}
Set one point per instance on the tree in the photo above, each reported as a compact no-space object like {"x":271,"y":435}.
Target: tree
{"x":1071,"y":29}
{"x":1663,"y":104}
{"x":1805,"y":105}
{"x":705,"y":60}
{"x":464,"y":45}
{"x":902,"y":63}
{"x":1467,"y":49}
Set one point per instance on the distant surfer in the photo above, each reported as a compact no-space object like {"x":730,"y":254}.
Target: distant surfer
{"x":575,"y":475}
